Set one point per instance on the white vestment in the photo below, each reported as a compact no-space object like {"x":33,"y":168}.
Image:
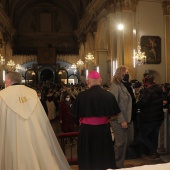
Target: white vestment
{"x":27,"y":140}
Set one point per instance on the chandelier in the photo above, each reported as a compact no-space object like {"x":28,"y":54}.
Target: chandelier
{"x":80,"y":63}
{"x":18,"y":67}
{"x":11,"y":63}
{"x":139,"y":57}
{"x":2,"y":60}
{"x":89,"y":57}
{"x":73,"y":66}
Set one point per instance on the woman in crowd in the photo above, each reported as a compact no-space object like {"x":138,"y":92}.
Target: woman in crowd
{"x":122,"y":126}
{"x":66,"y":120}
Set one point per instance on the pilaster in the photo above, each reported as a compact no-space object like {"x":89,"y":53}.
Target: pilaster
{"x":125,"y":11}
{"x":166,"y":12}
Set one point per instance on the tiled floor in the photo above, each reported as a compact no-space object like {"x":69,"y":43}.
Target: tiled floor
{"x":165,"y":157}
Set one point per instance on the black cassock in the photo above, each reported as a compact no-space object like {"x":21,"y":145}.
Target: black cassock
{"x":95,"y":146}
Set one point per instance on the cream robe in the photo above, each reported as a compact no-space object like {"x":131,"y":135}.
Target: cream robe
{"x":27,"y":140}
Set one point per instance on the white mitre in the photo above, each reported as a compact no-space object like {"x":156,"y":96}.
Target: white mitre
{"x":20,"y":99}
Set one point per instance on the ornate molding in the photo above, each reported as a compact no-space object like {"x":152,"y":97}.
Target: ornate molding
{"x":166,"y":7}
{"x":110,"y":5}
{"x":118,"y":5}
{"x":126,"y":5}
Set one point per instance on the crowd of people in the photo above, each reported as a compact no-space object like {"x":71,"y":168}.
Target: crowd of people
{"x":131,"y":109}
{"x":57,"y":100}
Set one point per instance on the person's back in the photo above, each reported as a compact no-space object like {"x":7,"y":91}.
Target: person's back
{"x":151,"y":117}
{"x":43,"y":102}
{"x":95,"y":102}
{"x":27,"y":139}
{"x":67,"y":123}
{"x":94,"y":107}
{"x":151,"y":104}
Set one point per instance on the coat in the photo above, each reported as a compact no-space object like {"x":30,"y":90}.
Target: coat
{"x":124,"y":101}
{"x":151,"y":104}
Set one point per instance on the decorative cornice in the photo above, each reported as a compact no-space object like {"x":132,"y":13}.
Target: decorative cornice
{"x":126,"y":5}
{"x":118,"y":5}
{"x":166,"y":7}
{"x":110,"y":5}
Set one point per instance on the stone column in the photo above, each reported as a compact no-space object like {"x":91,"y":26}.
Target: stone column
{"x":102,"y":56}
{"x":125,"y":13}
{"x":112,"y":41}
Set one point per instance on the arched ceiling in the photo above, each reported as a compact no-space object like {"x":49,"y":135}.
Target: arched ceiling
{"x":71,"y":10}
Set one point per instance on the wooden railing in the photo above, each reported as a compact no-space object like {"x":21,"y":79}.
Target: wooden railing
{"x":68,"y":142}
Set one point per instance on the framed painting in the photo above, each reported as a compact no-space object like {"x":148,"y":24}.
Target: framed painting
{"x":151,"y":45}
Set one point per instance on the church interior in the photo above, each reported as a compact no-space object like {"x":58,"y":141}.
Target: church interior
{"x":61,"y":41}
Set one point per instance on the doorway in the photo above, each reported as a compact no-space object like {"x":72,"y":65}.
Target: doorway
{"x":46,"y":74}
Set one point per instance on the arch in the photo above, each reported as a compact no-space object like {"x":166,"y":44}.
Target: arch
{"x":62,"y":76}
{"x":46,"y":73}
{"x":73,"y":79}
{"x":30,"y":77}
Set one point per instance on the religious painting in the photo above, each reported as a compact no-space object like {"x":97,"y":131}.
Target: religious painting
{"x":151,"y":45}
{"x":46,"y":56}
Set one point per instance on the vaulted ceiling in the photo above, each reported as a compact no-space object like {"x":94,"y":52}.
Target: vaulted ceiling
{"x":55,"y":22}
{"x":73,"y":8}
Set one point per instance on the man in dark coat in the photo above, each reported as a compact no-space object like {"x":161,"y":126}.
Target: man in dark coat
{"x":94,"y":107}
{"x":151,"y":117}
